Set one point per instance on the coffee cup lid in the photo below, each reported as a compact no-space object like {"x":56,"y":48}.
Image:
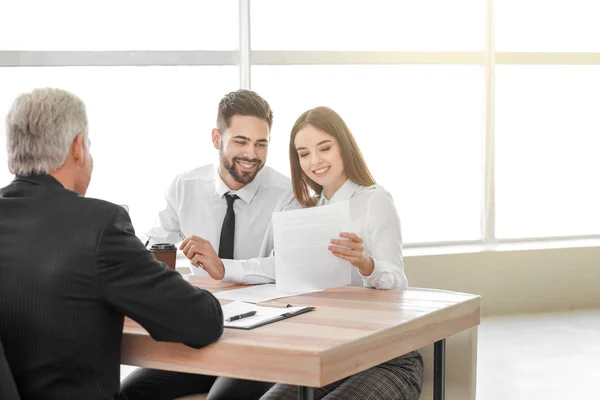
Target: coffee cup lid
{"x":163,"y":247}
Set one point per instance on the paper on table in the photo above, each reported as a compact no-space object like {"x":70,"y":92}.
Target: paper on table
{"x":263,"y":314}
{"x":303,"y":261}
{"x":256,"y":293}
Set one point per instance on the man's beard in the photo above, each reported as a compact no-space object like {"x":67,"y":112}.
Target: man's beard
{"x":243,"y":177}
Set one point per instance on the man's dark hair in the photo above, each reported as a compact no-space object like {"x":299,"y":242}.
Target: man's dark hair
{"x":243,"y":102}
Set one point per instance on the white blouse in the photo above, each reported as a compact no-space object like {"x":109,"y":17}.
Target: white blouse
{"x":373,"y":217}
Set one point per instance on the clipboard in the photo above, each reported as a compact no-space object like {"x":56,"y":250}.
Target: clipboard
{"x":263,"y":316}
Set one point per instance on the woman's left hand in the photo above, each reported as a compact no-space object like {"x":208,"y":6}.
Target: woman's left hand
{"x":351,"y":249}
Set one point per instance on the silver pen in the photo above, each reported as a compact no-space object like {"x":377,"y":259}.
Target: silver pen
{"x":182,"y":236}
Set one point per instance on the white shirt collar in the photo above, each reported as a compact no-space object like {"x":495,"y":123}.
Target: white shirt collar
{"x":246,"y":193}
{"x":345,"y":192}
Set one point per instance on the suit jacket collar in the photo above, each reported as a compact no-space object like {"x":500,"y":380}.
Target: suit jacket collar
{"x":42,"y":180}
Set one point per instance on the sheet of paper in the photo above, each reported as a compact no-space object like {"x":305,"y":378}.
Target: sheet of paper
{"x":303,"y":261}
{"x":256,"y":293}
{"x":263,"y":314}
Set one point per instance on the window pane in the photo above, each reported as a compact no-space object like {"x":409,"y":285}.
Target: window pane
{"x":147,"y":124}
{"x":542,"y":25}
{"x":118,"y":25}
{"x":419,"y":128}
{"x":367,"y":25}
{"x":547,"y":141}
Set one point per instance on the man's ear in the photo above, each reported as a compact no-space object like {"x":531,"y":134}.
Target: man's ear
{"x":78,"y":149}
{"x":216,"y":138}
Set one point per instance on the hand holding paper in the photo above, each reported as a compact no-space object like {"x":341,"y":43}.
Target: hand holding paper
{"x":352,"y":250}
{"x":303,"y":261}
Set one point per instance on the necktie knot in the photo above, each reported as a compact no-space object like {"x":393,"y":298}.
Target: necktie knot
{"x":230,"y":198}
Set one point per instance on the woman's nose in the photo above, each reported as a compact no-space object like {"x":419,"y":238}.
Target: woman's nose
{"x":315,"y":160}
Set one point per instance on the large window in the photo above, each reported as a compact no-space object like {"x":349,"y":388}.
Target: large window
{"x":479,"y":116}
{"x":410,"y":123}
{"x":147,"y":124}
{"x":150,"y":118}
{"x":547,"y":108}
{"x":372,"y":25}
{"x":547,"y":25}
{"x":118,"y":25}
{"x":547,"y":143}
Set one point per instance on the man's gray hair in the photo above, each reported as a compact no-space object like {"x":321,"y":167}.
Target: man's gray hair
{"x":41,"y":127}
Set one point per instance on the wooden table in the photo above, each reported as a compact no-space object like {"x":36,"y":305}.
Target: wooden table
{"x":351,"y":330}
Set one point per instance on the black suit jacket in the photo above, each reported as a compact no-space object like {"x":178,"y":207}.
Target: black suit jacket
{"x":70,"y":268}
{"x":8,"y":389}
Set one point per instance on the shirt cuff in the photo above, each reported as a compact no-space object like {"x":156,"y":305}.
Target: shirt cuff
{"x":234,"y":271}
{"x":375,"y":276}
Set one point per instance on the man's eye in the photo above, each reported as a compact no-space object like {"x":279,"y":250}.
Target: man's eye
{"x":240,"y":142}
{"x":261,"y":144}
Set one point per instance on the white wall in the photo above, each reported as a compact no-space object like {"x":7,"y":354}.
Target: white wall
{"x":515,"y":281}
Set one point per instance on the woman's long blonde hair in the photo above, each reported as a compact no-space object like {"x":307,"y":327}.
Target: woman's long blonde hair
{"x":355,"y":167}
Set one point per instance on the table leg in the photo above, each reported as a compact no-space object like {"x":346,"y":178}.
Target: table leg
{"x":439,"y":370}
{"x":306,"y":393}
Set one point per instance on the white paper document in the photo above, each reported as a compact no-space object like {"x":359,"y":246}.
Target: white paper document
{"x":264,"y":315}
{"x":303,"y":261}
{"x":256,"y":293}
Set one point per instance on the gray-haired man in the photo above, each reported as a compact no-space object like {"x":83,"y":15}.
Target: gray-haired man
{"x":71,"y":267}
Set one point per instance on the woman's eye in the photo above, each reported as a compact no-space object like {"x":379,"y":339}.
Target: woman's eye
{"x":303,"y":155}
{"x":325,"y":148}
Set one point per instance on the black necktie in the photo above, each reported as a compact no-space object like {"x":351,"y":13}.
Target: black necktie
{"x":227,"y":230}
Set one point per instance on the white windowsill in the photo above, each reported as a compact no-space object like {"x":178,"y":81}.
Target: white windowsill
{"x":523,"y":245}
{"x":182,"y":262}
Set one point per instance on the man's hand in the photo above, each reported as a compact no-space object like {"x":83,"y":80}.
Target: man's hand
{"x":201,"y":253}
{"x":353,"y":250}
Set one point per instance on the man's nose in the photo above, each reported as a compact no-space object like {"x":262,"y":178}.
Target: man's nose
{"x":250,"y":152}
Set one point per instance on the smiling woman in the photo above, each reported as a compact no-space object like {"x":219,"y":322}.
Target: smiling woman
{"x":323,"y":147}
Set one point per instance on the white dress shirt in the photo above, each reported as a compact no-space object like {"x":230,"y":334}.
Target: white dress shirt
{"x":195,"y":205}
{"x":373,"y":217}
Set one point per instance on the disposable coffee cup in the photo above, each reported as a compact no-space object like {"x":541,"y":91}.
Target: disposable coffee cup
{"x":165,"y":252}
